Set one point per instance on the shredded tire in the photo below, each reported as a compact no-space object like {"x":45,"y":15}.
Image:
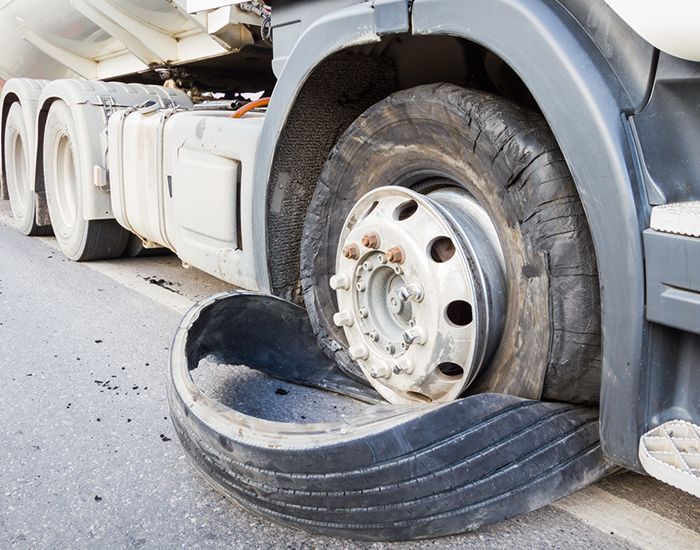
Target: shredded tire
{"x":394,"y":473}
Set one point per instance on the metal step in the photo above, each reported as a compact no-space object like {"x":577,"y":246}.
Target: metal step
{"x":680,"y":218}
{"x":671,"y":453}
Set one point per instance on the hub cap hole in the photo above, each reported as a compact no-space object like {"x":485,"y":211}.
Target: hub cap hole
{"x":406,"y":210}
{"x":442,"y":249}
{"x":451,"y":370}
{"x":459,"y":313}
{"x":370,"y":209}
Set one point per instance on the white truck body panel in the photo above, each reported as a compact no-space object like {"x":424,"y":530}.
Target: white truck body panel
{"x":100,"y":39}
{"x":673,"y":26}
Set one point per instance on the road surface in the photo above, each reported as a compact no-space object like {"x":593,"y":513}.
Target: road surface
{"x":89,"y":458}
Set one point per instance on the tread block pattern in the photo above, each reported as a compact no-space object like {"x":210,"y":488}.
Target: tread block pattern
{"x":455,"y":467}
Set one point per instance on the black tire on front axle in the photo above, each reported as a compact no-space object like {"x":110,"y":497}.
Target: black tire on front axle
{"x":508,"y":159}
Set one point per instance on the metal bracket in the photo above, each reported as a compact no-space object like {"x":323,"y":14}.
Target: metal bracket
{"x":108,"y":105}
{"x":392,"y":16}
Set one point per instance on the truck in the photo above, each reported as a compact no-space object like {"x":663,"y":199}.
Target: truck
{"x":475,"y":224}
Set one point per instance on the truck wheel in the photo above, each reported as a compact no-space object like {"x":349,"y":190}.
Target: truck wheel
{"x":451,"y":144}
{"x":18,"y":154}
{"x":66,"y":173}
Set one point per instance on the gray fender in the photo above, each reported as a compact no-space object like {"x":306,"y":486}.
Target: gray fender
{"x":336,"y":31}
{"x":91,"y":102}
{"x":27,"y":92}
{"x":583,"y":101}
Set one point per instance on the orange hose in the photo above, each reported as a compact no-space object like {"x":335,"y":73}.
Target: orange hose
{"x":262,"y":102}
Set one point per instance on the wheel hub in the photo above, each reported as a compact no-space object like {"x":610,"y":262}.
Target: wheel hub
{"x":420,"y":288}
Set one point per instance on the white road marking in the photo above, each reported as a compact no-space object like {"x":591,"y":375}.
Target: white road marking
{"x":130,"y":273}
{"x":641,"y":527}
{"x":125,"y":275}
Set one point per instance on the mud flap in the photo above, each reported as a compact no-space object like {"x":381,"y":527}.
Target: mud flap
{"x":383,"y":472}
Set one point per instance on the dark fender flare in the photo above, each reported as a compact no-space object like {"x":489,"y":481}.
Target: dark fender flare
{"x":583,"y":101}
{"x":351,"y":26}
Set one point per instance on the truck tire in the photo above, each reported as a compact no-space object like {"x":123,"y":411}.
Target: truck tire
{"x":507,"y":159}
{"x":386,"y":473}
{"x":65,"y":178}
{"x":18,"y":156}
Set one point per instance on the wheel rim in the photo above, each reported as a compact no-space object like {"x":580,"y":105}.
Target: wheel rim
{"x":420,"y":285}
{"x":19,"y":178}
{"x":65,"y":181}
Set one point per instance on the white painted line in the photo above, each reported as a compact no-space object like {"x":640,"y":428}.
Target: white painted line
{"x":124,"y":275}
{"x":127,"y":277}
{"x":641,"y":527}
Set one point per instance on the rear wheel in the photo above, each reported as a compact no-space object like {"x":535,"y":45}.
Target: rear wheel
{"x":66,"y":173}
{"x":491,"y":184}
{"x":18,"y":154}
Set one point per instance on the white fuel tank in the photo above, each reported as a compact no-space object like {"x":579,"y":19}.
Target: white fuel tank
{"x":184,"y":180}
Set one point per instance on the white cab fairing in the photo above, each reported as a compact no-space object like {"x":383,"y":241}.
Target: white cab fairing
{"x":673,"y":26}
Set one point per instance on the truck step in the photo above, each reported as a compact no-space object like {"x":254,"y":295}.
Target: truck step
{"x":671,"y":453}
{"x":680,"y":218}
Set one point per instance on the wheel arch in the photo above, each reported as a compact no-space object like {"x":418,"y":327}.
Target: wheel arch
{"x":91,"y":103}
{"x":585,"y":111}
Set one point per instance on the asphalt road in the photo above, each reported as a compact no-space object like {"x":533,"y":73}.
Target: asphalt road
{"x":88,"y":455}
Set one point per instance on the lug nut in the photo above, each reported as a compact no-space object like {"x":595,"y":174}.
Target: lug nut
{"x":382,"y":370}
{"x":351,"y":252}
{"x":343,"y":319}
{"x":339,"y":282}
{"x":371,"y":240}
{"x":414,"y":335}
{"x":364,"y":313}
{"x":413,"y":292}
{"x":358,"y":352}
{"x":403,"y":366}
{"x":395,"y":255}
{"x":374,"y":336}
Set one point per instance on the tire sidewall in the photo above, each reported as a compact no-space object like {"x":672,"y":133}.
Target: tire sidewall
{"x":20,"y":192}
{"x":60,"y":123}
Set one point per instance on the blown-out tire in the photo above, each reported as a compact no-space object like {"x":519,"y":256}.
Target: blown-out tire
{"x":508,"y":160}
{"x":394,"y":473}
{"x":66,"y":174}
{"x":18,"y":156}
